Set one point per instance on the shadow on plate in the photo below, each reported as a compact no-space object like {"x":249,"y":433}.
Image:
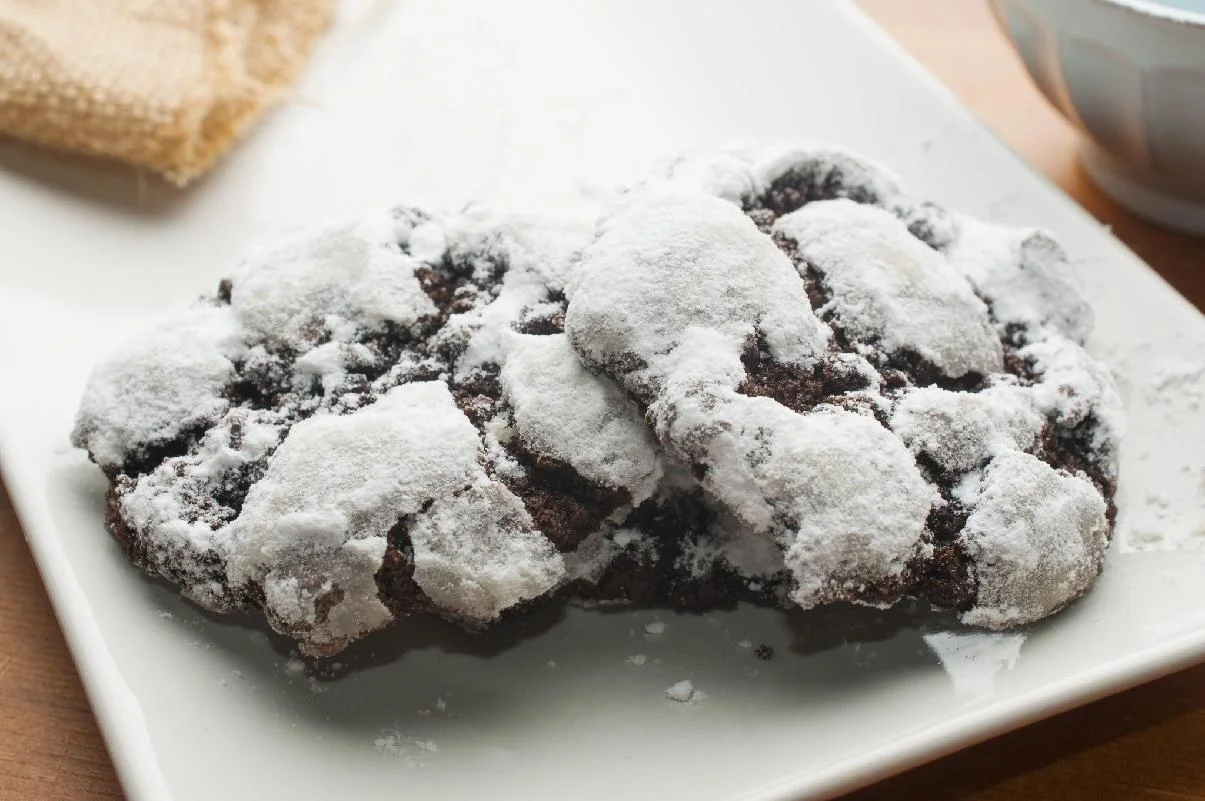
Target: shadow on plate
{"x":537,"y":663}
{"x":116,"y":186}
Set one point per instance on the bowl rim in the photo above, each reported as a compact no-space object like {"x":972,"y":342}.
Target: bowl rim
{"x":1160,"y":11}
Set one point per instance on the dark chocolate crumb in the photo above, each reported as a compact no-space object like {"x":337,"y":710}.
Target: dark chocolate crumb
{"x":325,"y":602}
{"x":798,"y":389}
{"x":395,"y":579}
{"x":543,"y":326}
{"x":944,"y":578}
{"x":818,"y":180}
{"x":565,"y":506}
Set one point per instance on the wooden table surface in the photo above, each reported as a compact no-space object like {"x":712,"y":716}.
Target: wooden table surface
{"x":1148,"y":743}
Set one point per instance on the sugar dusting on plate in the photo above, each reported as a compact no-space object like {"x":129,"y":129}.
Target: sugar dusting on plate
{"x":410,"y":750}
{"x":685,"y":692}
{"x":1164,"y":509}
{"x":974,"y":660}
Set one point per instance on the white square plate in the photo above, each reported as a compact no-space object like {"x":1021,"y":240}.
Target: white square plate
{"x":555,"y":103}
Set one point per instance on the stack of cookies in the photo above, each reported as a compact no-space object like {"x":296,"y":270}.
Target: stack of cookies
{"x":765,"y":375}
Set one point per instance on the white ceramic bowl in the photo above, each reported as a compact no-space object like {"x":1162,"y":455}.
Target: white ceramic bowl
{"x":1131,"y":75}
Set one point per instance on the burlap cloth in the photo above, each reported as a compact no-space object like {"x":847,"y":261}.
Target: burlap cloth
{"x":165,"y":84}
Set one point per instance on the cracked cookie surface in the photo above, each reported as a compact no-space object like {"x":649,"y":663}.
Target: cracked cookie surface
{"x":383,"y":418}
{"x":767,"y":375}
{"x":893,"y":394}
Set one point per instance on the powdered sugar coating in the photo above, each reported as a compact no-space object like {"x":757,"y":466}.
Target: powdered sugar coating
{"x":890,"y":290}
{"x":803,"y":481}
{"x":538,"y":253}
{"x":665,"y":300}
{"x":674,"y":276}
{"x":971,"y":332}
{"x":814,"y":473}
{"x":363,"y":464}
{"x":1077,"y":391}
{"x":349,"y":275}
{"x":730,"y":545}
{"x":837,"y":416}
{"x":1025,"y":275}
{"x":760,"y":171}
{"x":329,"y":447}
{"x":1037,"y":538}
{"x":962,"y":430}
{"x":477,"y":553}
{"x":155,"y":388}
{"x":176,"y":511}
{"x":561,"y":409}
{"x":332,"y":492}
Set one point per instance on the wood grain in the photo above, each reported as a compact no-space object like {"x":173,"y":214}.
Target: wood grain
{"x":50,"y":747}
{"x":1148,"y":743}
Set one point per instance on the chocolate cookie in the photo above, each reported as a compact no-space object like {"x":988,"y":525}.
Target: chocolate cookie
{"x":383,"y":419}
{"x":822,"y":389}
{"x":893,"y":394}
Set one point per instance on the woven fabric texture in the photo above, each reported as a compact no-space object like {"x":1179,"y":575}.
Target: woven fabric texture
{"x":163,"y":84}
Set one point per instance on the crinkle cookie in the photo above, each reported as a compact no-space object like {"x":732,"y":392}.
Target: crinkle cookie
{"x":383,"y":418}
{"x":894,"y":395}
{"x":822,"y":390}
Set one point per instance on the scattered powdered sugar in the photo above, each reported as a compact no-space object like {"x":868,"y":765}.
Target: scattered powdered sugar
{"x":637,"y":659}
{"x":746,"y":643}
{"x":1173,"y":519}
{"x":1159,"y":501}
{"x":1184,"y":380}
{"x":411,"y":749}
{"x":684,"y":692}
{"x":655,"y":628}
{"x":1036,"y":538}
{"x":890,"y":289}
{"x":973,"y":660}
